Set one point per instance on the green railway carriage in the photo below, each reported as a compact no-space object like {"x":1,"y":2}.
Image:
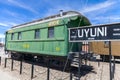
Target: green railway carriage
{"x":47,"y":36}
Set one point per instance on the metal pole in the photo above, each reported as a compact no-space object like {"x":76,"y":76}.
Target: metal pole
{"x":98,"y":63}
{"x":48,"y":70}
{"x":5,"y":62}
{"x":12,"y":65}
{"x":79,"y":58}
{"x":113,"y":67}
{"x":32,"y":70}
{"x":85,"y":59}
{"x":70,"y":75}
{"x":110,"y":56}
{"x":86,"y":52}
{"x":0,"y":60}
{"x":21,"y":66}
{"x":70,"y":71}
{"x":79,"y":66}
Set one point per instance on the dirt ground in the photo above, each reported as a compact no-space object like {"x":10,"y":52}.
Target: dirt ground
{"x":93,"y":71}
{"x":6,"y":76}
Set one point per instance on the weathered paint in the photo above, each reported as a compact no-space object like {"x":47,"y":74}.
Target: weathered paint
{"x":57,"y":46}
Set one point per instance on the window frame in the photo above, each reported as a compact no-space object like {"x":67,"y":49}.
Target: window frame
{"x":12,"y":36}
{"x":19,"y":36}
{"x":106,"y":44}
{"x":37,"y":34}
{"x":51,"y":32}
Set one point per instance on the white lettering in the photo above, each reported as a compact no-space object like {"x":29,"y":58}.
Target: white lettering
{"x":100,"y":32}
{"x":92,"y":32}
{"x":105,"y":31}
{"x":86,"y":32}
{"x":80,"y":33}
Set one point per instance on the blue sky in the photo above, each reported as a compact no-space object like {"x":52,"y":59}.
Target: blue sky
{"x":14,"y":12}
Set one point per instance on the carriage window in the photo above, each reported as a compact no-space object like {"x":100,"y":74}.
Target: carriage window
{"x":51,"y":32}
{"x":37,"y":34}
{"x":12,"y":36}
{"x":19,"y":36}
{"x":106,"y":44}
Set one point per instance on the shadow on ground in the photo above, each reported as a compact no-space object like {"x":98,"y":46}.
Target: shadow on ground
{"x":85,"y":69}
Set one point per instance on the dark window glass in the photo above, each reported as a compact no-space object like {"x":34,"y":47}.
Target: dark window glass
{"x":12,"y":36}
{"x":51,"y":32}
{"x":37,"y":34}
{"x":19,"y":36}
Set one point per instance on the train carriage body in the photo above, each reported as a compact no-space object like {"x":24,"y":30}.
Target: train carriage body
{"x":47,"y":36}
{"x":102,"y":48}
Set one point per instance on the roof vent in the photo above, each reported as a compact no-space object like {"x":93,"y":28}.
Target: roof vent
{"x":61,"y":13}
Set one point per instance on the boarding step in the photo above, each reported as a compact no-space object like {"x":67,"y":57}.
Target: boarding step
{"x":75,"y":62}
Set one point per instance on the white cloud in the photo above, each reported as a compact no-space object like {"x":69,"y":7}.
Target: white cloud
{"x":12,"y":23}
{"x":22,"y":5}
{"x":56,"y":10}
{"x":11,"y":13}
{"x":107,"y":18}
{"x":2,"y":36}
{"x":7,"y":24}
{"x":99,"y":6}
{"x":3,"y":24}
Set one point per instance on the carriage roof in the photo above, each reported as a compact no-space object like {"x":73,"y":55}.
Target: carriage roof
{"x":50,"y":18}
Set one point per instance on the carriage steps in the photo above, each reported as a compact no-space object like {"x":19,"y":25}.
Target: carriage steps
{"x":76,"y":62}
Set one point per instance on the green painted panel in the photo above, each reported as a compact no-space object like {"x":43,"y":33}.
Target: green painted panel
{"x":59,"y":32}
{"x":15,"y":36}
{"x":48,"y":47}
{"x":9,"y":37}
{"x":44,"y":33}
{"x":28,"y":35}
{"x":57,"y":46}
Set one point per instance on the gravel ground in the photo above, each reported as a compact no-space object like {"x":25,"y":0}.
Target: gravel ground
{"x":40,"y":72}
{"x":6,"y":76}
{"x":90,"y":72}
